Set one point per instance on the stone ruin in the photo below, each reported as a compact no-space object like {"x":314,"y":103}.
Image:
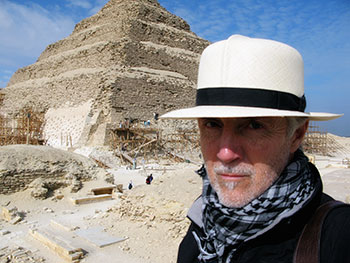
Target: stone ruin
{"x":130,"y":60}
{"x":44,"y":169}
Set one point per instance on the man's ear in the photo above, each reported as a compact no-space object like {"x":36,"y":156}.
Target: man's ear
{"x":298,"y":136}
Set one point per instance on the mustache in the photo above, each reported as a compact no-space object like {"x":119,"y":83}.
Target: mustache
{"x":239,"y":170}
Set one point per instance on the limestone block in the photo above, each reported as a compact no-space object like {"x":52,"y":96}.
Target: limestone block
{"x":91,"y":199}
{"x":98,"y":237}
{"x":16,"y":220}
{"x":9,"y":213}
{"x":61,"y":247}
{"x":103,"y":190}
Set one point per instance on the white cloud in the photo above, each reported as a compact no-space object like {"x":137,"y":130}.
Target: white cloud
{"x":80,"y":3}
{"x":91,"y":6}
{"x":27,"y":30}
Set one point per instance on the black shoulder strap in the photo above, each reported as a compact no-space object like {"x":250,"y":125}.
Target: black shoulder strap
{"x":308,"y":247}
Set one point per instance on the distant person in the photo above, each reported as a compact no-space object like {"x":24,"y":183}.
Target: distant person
{"x":134,"y":165}
{"x":130,"y":186}
{"x":149,"y":179}
{"x":259,"y":189}
{"x":155,"y":116}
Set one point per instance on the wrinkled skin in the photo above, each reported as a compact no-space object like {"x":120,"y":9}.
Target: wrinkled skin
{"x":244,"y":156}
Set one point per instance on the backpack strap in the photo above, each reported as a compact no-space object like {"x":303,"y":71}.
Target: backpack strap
{"x":308,"y":247}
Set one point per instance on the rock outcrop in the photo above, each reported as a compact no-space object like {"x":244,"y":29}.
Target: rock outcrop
{"x":131,"y":59}
{"x":43,"y":169}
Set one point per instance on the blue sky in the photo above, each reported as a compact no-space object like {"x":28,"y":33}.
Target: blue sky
{"x":319,"y":29}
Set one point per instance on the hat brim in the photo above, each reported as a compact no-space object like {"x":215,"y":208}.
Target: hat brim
{"x":243,"y":112}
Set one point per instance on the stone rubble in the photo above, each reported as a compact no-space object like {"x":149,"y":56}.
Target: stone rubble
{"x":19,"y":255}
{"x":12,"y":215}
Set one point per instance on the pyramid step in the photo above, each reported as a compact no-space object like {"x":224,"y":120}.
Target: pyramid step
{"x":59,"y":244}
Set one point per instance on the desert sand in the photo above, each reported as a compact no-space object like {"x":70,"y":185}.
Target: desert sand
{"x":151,"y":218}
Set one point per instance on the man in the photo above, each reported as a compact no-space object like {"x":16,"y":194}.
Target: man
{"x":259,"y":190}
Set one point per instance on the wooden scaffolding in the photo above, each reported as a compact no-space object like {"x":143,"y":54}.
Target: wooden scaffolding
{"x":318,"y":141}
{"x":315,"y":140}
{"x":25,"y":128}
{"x":146,"y":142}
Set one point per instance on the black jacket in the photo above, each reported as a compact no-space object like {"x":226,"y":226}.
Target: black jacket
{"x":279,"y":243}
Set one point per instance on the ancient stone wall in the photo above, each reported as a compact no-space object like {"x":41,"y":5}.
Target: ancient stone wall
{"x":20,"y":165}
{"x":10,"y":184}
{"x":59,"y":91}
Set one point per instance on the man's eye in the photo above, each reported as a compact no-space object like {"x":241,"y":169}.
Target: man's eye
{"x":212,"y":124}
{"x":255,"y":125}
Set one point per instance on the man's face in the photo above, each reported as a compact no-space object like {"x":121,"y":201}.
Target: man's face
{"x":244,"y":156}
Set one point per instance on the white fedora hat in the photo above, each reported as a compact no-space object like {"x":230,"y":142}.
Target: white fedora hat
{"x":249,"y":77}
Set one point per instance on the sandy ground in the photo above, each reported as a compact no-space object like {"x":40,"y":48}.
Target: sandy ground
{"x":152,"y":218}
{"x":153,"y":221}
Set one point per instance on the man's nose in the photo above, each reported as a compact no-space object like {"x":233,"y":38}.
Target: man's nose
{"x":229,"y":148}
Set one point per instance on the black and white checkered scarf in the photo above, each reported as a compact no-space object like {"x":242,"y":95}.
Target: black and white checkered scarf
{"x":226,"y":228}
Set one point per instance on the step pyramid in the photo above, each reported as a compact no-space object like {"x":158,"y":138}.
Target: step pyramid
{"x":130,"y":60}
